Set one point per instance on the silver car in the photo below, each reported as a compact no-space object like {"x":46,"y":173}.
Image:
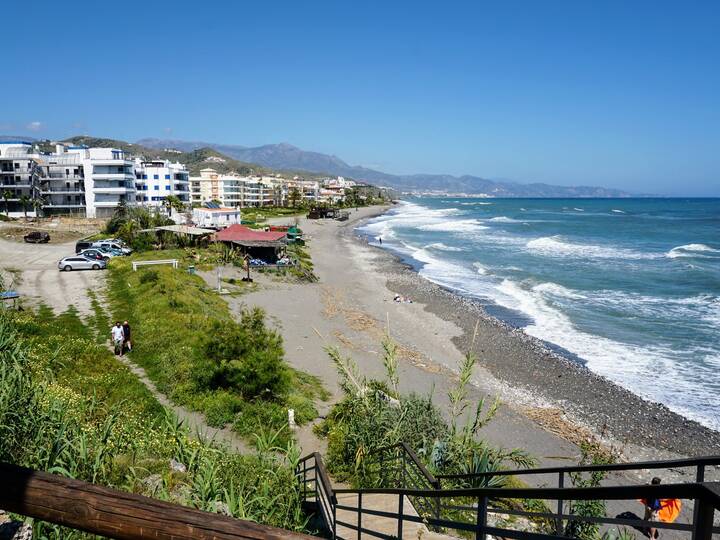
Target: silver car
{"x":78,"y":262}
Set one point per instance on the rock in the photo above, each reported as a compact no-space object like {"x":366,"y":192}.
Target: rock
{"x":15,"y":530}
{"x":177,"y":466}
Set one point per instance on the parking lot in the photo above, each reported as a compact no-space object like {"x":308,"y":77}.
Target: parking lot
{"x":33,"y":268}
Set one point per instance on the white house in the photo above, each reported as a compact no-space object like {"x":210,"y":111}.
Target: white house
{"x":216,"y":217}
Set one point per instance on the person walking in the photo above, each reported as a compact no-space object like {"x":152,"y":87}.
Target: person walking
{"x":118,"y":337}
{"x":126,"y":336}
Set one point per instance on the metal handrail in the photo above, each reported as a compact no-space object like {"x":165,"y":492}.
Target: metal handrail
{"x":706,"y":496}
{"x":667,"y":464}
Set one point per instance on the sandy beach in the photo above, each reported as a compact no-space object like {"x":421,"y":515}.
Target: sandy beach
{"x":549,"y":404}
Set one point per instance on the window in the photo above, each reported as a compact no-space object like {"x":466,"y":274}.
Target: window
{"x":145,"y":187}
{"x":156,"y":177}
{"x":167,"y":177}
{"x":144,"y":177}
{"x":156,"y":188}
{"x":167,"y":188}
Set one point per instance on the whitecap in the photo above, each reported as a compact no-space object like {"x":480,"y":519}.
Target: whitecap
{"x":579,"y":209}
{"x":480,"y":268}
{"x":617,"y":211}
{"x":504,"y":219}
{"x":692,"y":250}
{"x":555,"y":246}
{"x":443,"y":247}
{"x":459,"y":225}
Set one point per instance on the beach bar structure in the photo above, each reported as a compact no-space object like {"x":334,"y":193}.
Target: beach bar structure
{"x":265,"y":245}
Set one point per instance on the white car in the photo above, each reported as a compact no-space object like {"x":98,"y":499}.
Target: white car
{"x":78,"y":262}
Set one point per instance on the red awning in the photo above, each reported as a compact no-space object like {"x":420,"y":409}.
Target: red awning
{"x":242,"y":235}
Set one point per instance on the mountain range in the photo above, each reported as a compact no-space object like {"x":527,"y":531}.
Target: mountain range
{"x":285,"y":156}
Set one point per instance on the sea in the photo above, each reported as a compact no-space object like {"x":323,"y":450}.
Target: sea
{"x":628,"y":287}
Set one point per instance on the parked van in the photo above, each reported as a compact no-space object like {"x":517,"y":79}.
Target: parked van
{"x":82,"y":245}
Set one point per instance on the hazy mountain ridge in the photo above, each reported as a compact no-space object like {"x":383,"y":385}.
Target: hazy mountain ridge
{"x":287,"y":156}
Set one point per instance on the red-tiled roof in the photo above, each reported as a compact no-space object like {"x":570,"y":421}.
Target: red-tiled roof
{"x":240,"y":233}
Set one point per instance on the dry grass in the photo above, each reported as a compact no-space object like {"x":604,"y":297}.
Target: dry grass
{"x":554,"y":420}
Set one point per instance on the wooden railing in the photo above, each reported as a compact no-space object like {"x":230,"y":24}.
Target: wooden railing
{"x":117,"y":514}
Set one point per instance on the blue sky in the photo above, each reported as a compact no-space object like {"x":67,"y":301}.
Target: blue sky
{"x":621,"y":94}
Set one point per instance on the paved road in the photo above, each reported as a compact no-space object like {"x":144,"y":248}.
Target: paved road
{"x":40,"y":281}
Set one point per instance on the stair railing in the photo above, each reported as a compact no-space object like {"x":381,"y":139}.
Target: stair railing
{"x":315,"y":488}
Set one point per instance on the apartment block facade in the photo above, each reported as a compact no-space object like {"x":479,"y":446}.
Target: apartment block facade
{"x":156,"y":180}
{"x":19,"y":172}
{"x":91,"y":182}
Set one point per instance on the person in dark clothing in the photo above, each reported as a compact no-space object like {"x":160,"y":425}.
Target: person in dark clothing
{"x":652,"y":507}
{"x":126,"y":336}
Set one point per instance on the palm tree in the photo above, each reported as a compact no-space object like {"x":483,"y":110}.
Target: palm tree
{"x":173,"y":202}
{"x":25,"y":202}
{"x":37,"y":205}
{"x":7,"y":194}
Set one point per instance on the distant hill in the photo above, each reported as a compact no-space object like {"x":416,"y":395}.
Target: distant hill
{"x":287,"y":156}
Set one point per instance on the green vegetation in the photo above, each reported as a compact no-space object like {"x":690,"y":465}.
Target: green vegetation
{"x":68,"y":407}
{"x":187,"y":341}
{"x":374,"y":414}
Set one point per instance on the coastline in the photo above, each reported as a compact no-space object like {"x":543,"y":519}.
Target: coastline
{"x":534,"y":374}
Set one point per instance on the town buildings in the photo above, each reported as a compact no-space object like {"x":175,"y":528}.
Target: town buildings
{"x":93,"y":182}
{"x":90,"y":182}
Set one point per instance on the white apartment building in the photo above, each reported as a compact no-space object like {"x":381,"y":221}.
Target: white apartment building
{"x":19,"y":172}
{"x":233,"y":191}
{"x":155,"y":180}
{"x":108,"y":176}
{"x":89,"y":181}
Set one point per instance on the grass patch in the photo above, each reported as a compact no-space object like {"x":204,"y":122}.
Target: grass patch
{"x":189,"y":344}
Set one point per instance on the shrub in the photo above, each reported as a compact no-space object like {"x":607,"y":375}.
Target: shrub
{"x":246,"y":357}
{"x":149,"y":276}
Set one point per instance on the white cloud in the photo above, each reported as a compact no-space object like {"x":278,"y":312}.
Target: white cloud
{"x":168,"y":130}
{"x":34,"y":126}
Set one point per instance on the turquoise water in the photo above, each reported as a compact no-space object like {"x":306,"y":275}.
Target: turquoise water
{"x":630,"y":287}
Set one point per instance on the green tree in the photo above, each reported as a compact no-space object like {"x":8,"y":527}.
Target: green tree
{"x":25,"y":202}
{"x":294,"y":197}
{"x":6,"y":195}
{"x":37,"y":205}
{"x":173,"y":202}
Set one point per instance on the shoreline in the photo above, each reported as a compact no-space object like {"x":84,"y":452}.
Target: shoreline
{"x":534,"y":372}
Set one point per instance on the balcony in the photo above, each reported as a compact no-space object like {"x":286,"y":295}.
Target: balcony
{"x":50,"y":190}
{"x":63,"y":176}
{"x":120,"y":190}
{"x":114,"y":176}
